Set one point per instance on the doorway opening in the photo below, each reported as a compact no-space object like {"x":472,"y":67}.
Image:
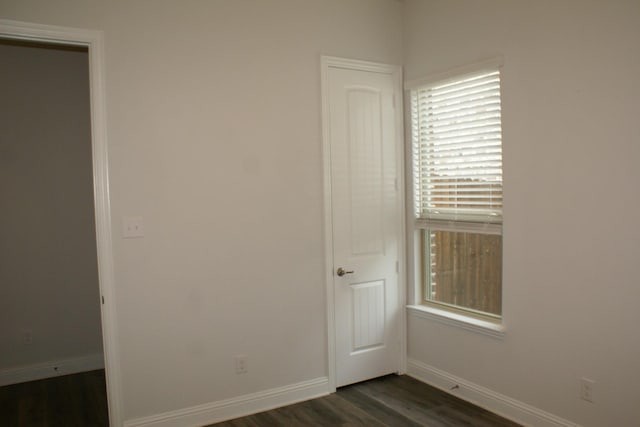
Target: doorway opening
{"x":48,"y":259}
{"x":93,"y":217}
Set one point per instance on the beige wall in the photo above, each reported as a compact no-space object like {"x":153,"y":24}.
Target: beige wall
{"x":48,"y":271}
{"x":571,"y":237}
{"x":214,"y":134}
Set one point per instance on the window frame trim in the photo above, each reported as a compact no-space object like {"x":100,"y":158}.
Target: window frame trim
{"x":445,"y":313}
{"x":484,"y":327}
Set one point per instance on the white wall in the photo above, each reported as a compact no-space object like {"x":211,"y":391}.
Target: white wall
{"x":214,"y":134}
{"x":48,"y":271}
{"x":571,"y":236}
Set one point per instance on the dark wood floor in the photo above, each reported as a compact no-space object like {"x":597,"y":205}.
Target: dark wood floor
{"x":393,"y":400}
{"x":78,"y":400}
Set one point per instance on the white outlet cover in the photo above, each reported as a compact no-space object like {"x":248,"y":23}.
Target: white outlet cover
{"x":241,"y":364}
{"x":587,"y":389}
{"x":132,"y":227}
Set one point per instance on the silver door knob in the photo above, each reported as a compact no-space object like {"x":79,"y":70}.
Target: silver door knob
{"x":341,"y":272}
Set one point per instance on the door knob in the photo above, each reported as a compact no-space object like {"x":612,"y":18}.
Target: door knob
{"x":341,"y":272}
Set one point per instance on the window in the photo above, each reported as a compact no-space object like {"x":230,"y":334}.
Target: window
{"x":457,"y":165}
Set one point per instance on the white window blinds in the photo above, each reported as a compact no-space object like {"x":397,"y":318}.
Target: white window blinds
{"x":457,"y":142}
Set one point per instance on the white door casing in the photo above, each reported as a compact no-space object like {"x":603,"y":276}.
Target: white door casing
{"x":363,"y":158}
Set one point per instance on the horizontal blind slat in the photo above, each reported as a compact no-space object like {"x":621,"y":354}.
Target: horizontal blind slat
{"x":460,"y":81}
{"x":449,"y":119}
{"x":478,"y":81}
{"x":468,"y":143}
{"x":486,"y":103}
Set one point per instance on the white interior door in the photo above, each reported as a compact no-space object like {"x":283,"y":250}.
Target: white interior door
{"x":365,"y":223}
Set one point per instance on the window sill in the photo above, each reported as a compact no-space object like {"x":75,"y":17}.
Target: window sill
{"x":458,"y":320}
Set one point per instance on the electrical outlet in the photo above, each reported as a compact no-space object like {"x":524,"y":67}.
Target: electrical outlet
{"x":132,"y":227}
{"x":27,"y":337}
{"x":242,"y":366}
{"x":586,"y":389}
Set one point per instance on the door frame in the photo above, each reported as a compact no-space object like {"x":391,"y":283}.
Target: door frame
{"x":326,"y":63}
{"x":93,"y":41}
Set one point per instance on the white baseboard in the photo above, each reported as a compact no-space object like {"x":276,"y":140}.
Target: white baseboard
{"x":488,"y":399}
{"x":248,"y":404}
{"x":54,"y":368}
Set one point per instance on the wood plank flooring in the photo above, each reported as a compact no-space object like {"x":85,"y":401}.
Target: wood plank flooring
{"x":398,"y":401}
{"x":78,"y":400}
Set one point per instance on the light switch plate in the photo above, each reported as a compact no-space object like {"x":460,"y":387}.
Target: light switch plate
{"x":132,"y":227}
